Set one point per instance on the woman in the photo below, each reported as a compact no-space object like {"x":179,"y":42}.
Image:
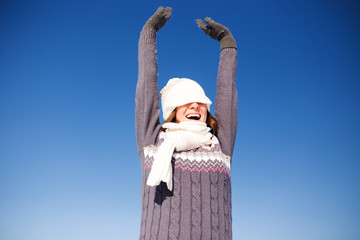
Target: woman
{"x":186,"y":191}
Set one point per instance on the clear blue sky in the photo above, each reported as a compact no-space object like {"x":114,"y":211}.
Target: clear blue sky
{"x":68,"y":70}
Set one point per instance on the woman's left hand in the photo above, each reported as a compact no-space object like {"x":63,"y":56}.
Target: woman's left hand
{"x":218,"y":32}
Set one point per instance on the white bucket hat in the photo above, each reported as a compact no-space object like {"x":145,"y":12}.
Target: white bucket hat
{"x":180,"y":91}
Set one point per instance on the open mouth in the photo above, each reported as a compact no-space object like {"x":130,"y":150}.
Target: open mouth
{"x":193,"y":116}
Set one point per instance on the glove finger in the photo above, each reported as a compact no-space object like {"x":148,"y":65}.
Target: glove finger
{"x":157,"y":15}
{"x":201,"y":24}
{"x":209,"y":21}
{"x":168,"y":11}
{"x":159,"y":11}
{"x":213,"y":24}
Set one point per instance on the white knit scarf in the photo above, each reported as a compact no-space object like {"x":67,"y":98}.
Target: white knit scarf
{"x":180,"y":137}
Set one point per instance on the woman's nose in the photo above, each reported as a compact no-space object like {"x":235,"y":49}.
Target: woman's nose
{"x":194,"y":105}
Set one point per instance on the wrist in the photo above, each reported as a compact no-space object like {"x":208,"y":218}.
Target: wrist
{"x":149,"y":26}
{"x":228,"y":42}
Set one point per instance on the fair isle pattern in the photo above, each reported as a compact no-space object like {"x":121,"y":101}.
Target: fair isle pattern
{"x":206,"y":158}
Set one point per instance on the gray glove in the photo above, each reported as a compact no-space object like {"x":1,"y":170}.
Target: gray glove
{"x":158,"y":20}
{"x":218,"y":32}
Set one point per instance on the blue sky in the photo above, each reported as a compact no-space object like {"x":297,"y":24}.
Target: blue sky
{"x":68,"y":70}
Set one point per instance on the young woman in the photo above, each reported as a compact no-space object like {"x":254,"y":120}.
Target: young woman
{"x":186,"y":187}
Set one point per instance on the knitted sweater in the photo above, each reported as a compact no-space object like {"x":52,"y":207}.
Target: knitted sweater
{"x":199,"y":206}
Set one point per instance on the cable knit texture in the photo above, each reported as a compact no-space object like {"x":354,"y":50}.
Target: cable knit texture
{"x":199,"y":205}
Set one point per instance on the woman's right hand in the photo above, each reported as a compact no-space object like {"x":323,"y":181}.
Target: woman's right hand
{"x":158,"y":20}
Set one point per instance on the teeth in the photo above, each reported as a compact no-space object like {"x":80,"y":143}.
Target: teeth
{"x":193,"y":116}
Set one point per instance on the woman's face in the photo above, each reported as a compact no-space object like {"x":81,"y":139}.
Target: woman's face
{"x":196,"y":112}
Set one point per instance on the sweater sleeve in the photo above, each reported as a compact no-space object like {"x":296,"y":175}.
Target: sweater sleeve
{"x":226,"y":100}
{"x":147,"y":95}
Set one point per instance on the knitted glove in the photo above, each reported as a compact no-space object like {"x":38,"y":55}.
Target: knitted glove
{"x":218,"y":32}
{"x":158,"y":20}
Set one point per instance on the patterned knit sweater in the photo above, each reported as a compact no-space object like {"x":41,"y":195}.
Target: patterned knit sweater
{"x":199,"y":207}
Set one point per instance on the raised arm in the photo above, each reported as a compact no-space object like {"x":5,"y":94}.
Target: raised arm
{"x":226,"y":95}
{"x":147,"y":95}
